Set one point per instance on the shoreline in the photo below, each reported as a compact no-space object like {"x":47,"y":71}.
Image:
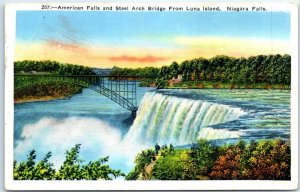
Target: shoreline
{"x":219,"y":85}
{"x":228,"y":88}
{"x":45,"y":93}
{"x":40,"y":99}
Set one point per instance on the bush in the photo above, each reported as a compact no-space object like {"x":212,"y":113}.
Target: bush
{"x":142,"y":160}
{"x":265,"y":160}
{"x":228,"y":165}
{"x":170,"y":167}
{"x":51,"y":67}
{"x":72,"y":168}
{"x":203,"y":155}
{"x":270,"y":161}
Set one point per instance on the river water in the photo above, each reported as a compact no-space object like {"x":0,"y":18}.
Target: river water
{"x":164,"y":116}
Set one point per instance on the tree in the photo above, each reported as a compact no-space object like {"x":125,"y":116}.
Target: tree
{"x":204,"y":154}
{"x":174,"y":69}
{"x":227,"y":165}
{"x":30,"y":171}
{"x":269,"y":161}
{"x":51,"y":67}
{"x":160,"y":83}
{"x":142,"y":160}
{"x":170,"y":167}
{"x":72,"y":168}
{"x":275,"y":69}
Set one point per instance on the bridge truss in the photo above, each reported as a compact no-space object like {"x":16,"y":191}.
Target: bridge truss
{"x":120,"y":89}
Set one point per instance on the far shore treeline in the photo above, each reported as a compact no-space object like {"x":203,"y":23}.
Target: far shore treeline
{"x":261,"y":71}
{"x":53,"y":67}
{"x":272,"y":69}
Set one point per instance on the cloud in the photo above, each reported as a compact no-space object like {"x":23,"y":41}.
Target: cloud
{"x":145,"y":59}
{"x":67,"y":46}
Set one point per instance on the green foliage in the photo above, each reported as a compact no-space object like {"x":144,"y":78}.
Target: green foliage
{"x":203,"y":154}
{"x":265,"y":160}
{"x":51,"y":67}
{"x":269,"y":69}
{"x":29,"y":170}
{"x":161,"y":83}
{"x":54,"y":89}
{"x":146,"y":75}
{"x":147,"y":82}
{"x":147,"y":72}
{"x":165,"y":150}
{"x":170,"y":167}
{"x":133,"y":175}
{"x":142,"y":160}
{"x":72,"y":168}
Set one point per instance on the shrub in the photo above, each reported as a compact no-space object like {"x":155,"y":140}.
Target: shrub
{"x":227,"y":165}
{"x":270,"y":161}
{"x":142,"y":160}
{"x":203,"y":154}
{"x":264,"y":161}
{"x":72,"y":168}
{"x":170,"y":167}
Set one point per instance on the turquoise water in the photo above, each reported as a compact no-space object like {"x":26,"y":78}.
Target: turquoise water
{"x":267,"y":111}
{"x":164,"y":116}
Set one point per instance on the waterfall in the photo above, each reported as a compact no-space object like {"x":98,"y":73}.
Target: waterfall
{"x":168,"y":119}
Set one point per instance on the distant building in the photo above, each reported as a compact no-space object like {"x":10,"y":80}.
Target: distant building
{"x":175,"y":80}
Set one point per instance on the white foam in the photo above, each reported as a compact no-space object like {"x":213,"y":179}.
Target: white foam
{"x":213,"y":134}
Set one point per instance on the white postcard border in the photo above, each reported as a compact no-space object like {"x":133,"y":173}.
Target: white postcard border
{"x":10,"y":184}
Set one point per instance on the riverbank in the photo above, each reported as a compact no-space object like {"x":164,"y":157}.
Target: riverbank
{"x":212,"y":85}
{"x":45,"y":92}
{"x":35,"y":99}
{"x":231,"y":86}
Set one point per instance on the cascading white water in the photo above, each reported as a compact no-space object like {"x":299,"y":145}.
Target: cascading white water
{"x":168,"y":119}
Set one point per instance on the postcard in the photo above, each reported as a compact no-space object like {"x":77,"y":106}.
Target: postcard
{"x":151,"y":96}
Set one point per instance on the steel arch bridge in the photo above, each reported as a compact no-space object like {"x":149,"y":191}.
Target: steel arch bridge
{"x":120,"y":89}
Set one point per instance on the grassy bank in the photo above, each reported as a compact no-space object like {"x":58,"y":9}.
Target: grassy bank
{"x":45,"y":91}
{"x":265,"y":160}
{"x":209,"y":85}
{"x":222,"y":85}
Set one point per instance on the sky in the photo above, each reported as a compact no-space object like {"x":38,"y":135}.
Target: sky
{"x":143,"y":39}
